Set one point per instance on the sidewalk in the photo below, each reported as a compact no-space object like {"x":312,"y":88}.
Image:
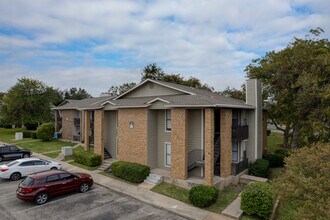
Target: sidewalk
{"x":144,"y":195}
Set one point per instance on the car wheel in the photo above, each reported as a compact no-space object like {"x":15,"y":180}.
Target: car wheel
{"x":26,"y":155}
{"x":15,"y":176}
{"x":53,"y":168}
{"x":41,"y":198}
{"x":1,"y":158}
{"x":84,"y":187}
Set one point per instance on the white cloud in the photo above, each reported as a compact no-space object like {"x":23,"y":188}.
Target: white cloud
{"x":213,"y":40}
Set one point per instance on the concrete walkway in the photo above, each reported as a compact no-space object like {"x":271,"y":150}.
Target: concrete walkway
{"x":143,"y":194}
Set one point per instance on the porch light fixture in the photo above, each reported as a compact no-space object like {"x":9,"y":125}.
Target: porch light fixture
{"x":131,"y":124}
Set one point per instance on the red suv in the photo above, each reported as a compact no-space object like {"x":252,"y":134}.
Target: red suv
{"x":38,"y":187}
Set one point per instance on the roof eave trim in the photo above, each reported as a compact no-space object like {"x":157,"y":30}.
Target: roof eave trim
{"x":159,"y":83}
{"x":108,"y":102}
{"x":136,"y":106}
{"x":158,"y":99}
{"x":96,"y":108}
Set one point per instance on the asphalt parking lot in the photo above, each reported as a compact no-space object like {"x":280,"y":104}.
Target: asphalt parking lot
{"x":98,"y":203}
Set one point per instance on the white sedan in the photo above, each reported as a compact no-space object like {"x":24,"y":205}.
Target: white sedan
{"x":23,"y":167}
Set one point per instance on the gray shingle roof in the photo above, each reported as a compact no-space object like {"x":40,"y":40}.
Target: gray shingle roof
{"x":193,"y":98}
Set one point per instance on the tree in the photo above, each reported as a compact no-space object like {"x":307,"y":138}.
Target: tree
{"x":296,"y":81}
{"x":234,"y":93}
{"x":306,"y":182}
{"x":28,"y":102}
{"x":117,"y":90}
{"x":152,"y":71}
{"x":78,"y":94}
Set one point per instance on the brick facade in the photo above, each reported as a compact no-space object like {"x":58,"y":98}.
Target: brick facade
{"x":56,"y":120}
{"x":67,"y":124}
{"x":179,"y":142}
{"x":86,"y":129}
{"x":99,"y":132}
{"x":225,"y":142}
{"x":209,"y":146}
{"x":132,"y":142}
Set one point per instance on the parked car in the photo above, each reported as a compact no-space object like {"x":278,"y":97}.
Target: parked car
{"x":13,"y":152}
{"x":39,"y":187}
{"x":23,"y":167}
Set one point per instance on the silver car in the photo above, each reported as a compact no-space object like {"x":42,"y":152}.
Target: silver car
{"x":25,"y":166}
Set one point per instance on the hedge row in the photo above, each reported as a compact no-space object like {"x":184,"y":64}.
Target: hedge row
{"x":258,"y":199}
{"x":88,"y":159}
{"x":259,"y":168}
{"x":203,"y":196}
{"x":131,"y":172}
{"x":276,"y":159}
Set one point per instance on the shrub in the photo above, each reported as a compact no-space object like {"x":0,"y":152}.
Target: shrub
{"x":203,"y":196}
{"x":259,"y":168}
{"x":86,"y":158}
{"x":306,"y":179}
{"x":268,"y":132}
{"x":33,"y":134}
{"x":258,"y":199}
{"x":26,"y":134}
{"x":45,"y":132}
{"x":131,"y":172}
{"x":273,"y":159}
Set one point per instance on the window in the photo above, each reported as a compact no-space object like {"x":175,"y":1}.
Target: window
{"x":13,"y":148}
{"x":235,"y":151}
{"x":168,"y":154}
{"x":27,"y":163}
{"x":66,"y":176}
{"x":168,"y":119}
{"x":39,"y":162}
{"x":52,"y":178}
{"x":4,"y":149}
{"x":28,"y":181}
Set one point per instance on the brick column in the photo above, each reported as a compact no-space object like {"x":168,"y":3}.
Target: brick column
{"x":81,"y":125}
{"x":179,"y":142}
{"x":226,"y":142}
{"x":99,"y":132}
{"x":56,"y":122}
{"x":87,"y":128}
{"x":209,"y":145}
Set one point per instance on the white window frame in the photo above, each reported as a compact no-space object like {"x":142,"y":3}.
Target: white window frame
{"x":166,"y":129}
{"x":165,"y":154}
{"x":116,"y":119}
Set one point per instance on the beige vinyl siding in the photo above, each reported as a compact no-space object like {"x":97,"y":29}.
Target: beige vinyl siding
{"x":163,"y":137}
{"x":157,"y":105}
{"x":194,"y":135}
{"x":151,"y":89}
{"x":110,"y":132}
{"x":152,"y":139}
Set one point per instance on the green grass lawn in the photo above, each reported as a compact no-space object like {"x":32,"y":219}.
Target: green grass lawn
{"x":117,"y":178}
{"x":8,"y":135}
{"x":45,"y":146}
{"x":274,"y":141}
{"x":226,"y":196}
{"x":52,"y":154}
{"x":83,"y":166}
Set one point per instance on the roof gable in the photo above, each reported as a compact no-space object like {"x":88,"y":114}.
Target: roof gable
{"x":150,"y":88}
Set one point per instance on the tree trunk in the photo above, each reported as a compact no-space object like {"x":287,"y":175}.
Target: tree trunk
{"x":286,"y":136}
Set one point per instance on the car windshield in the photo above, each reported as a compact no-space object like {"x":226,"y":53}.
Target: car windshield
{"x":28,"y":181}
{"x":12,"y":163}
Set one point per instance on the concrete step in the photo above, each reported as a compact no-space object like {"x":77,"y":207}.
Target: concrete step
{"x":154,"y":179}
{"x":233,"y":210}
{"x":248,"y":178}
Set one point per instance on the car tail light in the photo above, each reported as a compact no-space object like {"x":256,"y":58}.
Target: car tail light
{"x":27,"y":190}
{"x":4,"y":169}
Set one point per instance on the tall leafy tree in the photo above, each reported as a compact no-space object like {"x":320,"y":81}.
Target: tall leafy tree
{"x":117,"y":90}
{"x":152,"y":71}
{"x":76,"y":93}
{"x":296,"y":81}
{"x":28,"y":102}
{"x":234,"y":93}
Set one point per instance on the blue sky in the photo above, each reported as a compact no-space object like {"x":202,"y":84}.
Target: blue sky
{"x":97,"y":44}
